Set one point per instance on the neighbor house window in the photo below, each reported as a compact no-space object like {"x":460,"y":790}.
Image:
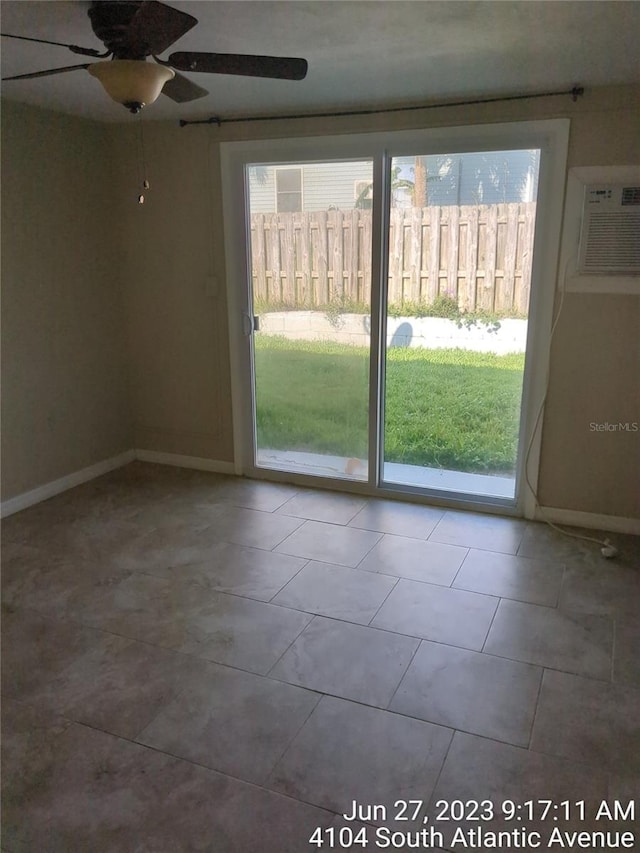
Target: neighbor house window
{"x":288,"y":190}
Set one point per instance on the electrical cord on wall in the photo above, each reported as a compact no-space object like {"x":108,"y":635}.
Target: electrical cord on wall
{"x":607,"y":549}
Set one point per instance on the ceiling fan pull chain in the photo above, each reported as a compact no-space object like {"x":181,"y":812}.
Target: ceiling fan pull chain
{"x":142,"y":162}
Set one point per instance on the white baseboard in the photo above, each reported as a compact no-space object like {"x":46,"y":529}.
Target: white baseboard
{"x":48,"y":490}
{"x":180,"y":461}
{"x":612,"y":523}
{"x":592,"y":520}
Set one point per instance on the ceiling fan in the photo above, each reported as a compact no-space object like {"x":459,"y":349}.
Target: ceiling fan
{"x":134,"y":30}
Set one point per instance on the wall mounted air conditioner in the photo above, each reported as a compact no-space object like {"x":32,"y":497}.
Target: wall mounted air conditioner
{"x":610,"y":232}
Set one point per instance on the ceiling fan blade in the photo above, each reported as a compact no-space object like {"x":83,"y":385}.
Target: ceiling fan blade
{"x":280,"y":67}
{"x":83,"y":51}
{"x":181,"y":90}
{"x":46,"y":73}
{"x":155,"y":27}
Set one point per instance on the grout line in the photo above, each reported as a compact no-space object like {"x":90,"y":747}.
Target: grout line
{"x":295,"y":639}
{"x":436,"y":525}
{"x":291,"y":532}
{"x":369,"y":550}
{"x":439,"y":776}
{"x":455,"y":577}
{"x":382,"y":603}
{"x":493,"y":619}
{"x":535,"y":708}
{"x":286,"y":584}
{"x":292,"y":739}
{"x":615,"y":619}
{"x":402,"y":677}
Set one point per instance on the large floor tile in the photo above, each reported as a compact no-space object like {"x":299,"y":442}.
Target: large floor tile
{"x":329,"y":543}
{"x":332,"y":507}
{"x":407,"y":557}
{"x":402,"y":519}
{"x":153,"y":609}
{"x":177,"y":513}
{"x":626,"y":648}
{"x":232,"y":721}
{"x":119,"y":686}
{"x":252,"y":494}
{"x":59,"y":591}
{"x":256,"y":529}
{"x":508,"y":576}
{"x":588,"y":721}
{"x":19,"y":560}
{"x":545,"y":542}
{"x":158,"y":549}
{"x":432,"y":612}
{"x":474,"y":530}
{"x":573,"y":642}
{"x":348,"y":752}
{"x":65,"y":536}
{"x":29,"y":738}
{"x":100,"y":793}
{"x":347,"y":660}
{"x":247,"y":634}
{"x":473,"y":692}
{"x":336,"y":591}
{"x":36,"y":649}
{"x":603,"y":588}
{"x":542,"y":541}
{"x":478,"y":769}
{"x":249,"y":572}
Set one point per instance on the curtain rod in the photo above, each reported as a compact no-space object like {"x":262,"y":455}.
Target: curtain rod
{"x":575,"y":93}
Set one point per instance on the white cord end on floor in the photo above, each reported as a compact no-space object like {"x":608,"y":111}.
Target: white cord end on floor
{"x":608,"y":551}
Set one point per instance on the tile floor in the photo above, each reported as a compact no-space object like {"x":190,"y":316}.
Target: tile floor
{"x":194,"y":662}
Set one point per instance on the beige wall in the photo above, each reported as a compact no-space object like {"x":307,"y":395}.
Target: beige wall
{"x":177,"y":327}
{"x":64,"y":396}
{"x":595,"y":380}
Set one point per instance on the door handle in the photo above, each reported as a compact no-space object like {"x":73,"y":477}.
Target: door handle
{"x":250,"y":323}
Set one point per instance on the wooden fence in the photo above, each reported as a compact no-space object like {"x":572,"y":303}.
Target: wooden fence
{"x":480,"y":255}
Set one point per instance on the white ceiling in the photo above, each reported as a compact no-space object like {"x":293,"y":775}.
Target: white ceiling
{"x":360,"y":54}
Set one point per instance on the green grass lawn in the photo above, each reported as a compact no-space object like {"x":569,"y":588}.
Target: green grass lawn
{"x":444,"y":408}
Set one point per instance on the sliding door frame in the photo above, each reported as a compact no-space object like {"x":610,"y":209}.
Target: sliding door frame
{"x":550,"y":136}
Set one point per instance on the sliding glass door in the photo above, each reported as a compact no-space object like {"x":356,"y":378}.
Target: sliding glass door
{"x":382,"y":337}
{"x":310,"y":249}
{"x":460,"y":236}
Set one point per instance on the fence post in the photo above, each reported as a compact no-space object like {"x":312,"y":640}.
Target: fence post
{"x":276,"y":282}
{"x":434,"y":255}
{"x":471,"y":261}
{"x":453,"y":255}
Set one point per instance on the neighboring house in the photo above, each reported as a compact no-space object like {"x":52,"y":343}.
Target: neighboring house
{"x":478,"y":178}
{"x":308,"y":186}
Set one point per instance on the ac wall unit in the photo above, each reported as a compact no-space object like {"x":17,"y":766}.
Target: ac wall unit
{"x":610,"y":235}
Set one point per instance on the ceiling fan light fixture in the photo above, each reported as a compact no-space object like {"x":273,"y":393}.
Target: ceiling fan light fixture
{"x":131,"y":82}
